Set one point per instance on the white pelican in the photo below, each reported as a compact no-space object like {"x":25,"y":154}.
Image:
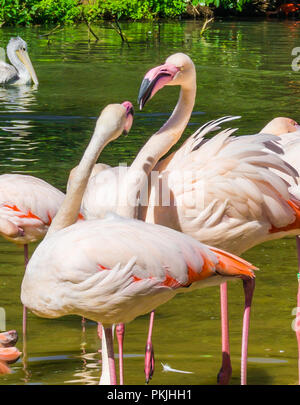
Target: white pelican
{"x":21,"y":70}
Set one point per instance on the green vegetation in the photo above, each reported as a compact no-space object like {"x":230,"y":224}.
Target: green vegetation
{"x":30,"y":12}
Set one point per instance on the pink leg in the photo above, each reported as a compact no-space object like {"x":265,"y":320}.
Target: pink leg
{"x":149,"y":352}
{"x":99,"y":330}
{"x":298,"y":308}
{"x":226,"y":369}
{"x":110,"y":354}
{"x":249,"y":286}
{"x":24,"y":308}
{"x":120,"y":332}
{"x":83,"y":324}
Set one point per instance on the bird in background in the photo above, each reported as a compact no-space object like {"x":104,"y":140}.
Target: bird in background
{"x":288,"y":132}
{"x":27,"y":206}
{"x":100,"y":269}
{"x":21,"y":70}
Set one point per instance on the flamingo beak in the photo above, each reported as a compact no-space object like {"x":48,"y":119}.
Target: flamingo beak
{"x":24,"y":58}
{"x":154,"y":80}
{"x":129,"y":116}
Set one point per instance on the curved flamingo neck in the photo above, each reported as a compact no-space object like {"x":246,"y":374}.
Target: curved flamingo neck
{"x":70,"y":208}
{"x":156,"y":147}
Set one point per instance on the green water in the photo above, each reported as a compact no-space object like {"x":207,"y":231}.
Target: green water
{"x":243,"y":68}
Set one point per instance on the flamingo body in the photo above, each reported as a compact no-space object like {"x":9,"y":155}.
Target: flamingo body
{"x":229,"y":198}
{"x":101,"y":270}
{"x":27,"y":206}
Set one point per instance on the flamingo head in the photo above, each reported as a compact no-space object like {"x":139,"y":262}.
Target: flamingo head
{"x":129,"y":116}
{"x":178,"y":70}
{"x":114,"y":120}
{"x":281,"y":125}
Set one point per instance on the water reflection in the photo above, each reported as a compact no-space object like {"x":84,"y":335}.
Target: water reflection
{"x":18,"y":98}
{"x":15,"y":130}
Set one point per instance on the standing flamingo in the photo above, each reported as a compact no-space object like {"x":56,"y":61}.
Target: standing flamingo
{"x":27,"y":206}
{"x":239,"y":166}
{"x":99,"y":269}
{"x":288,"y":132}
{"x":192,"y":220}
{"x":240,"y":199}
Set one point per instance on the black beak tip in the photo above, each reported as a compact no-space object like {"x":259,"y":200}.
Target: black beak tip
{"x":144,"y":93}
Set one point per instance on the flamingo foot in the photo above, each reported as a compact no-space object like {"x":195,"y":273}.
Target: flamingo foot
{"x":149,"y":351}
{"x":225,"y":372}
{"x":149,"y":361}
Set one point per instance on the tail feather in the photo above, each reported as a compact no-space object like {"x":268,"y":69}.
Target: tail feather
{"x":9,"y":354}
{"x":295,"y":205}
{"x":233,"y":266}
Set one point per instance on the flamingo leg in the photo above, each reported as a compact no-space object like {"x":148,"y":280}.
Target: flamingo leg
{"x":99,"y":330}
{"x":26,"y":258}
{"x":120,"y":332}
{"x":108,"y":358}
{"x":226,"y":369}
{"x":149,"y":351}
{"x":83,"y":324}
{"x":298,"y":307}
{"x":249,"y":286}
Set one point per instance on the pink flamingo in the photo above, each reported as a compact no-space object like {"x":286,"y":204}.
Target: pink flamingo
{"x":100,"y":269}
{"x":27,"y":207}
{"x":288,"y":132}
{"x":243,"y":202}
{"x":8,"y":353}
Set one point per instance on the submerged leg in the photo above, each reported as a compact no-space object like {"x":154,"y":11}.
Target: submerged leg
{"x":83,"y":324}
{"x":226,"y":369}
{"x":24,"y":308}
{"x":108,"y":376}
{"x":298,"y":308}
{"x":120,"y":332}
{"x":99,"y":330}
{"x":249,"y":286}
{"x":149,"y":351}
